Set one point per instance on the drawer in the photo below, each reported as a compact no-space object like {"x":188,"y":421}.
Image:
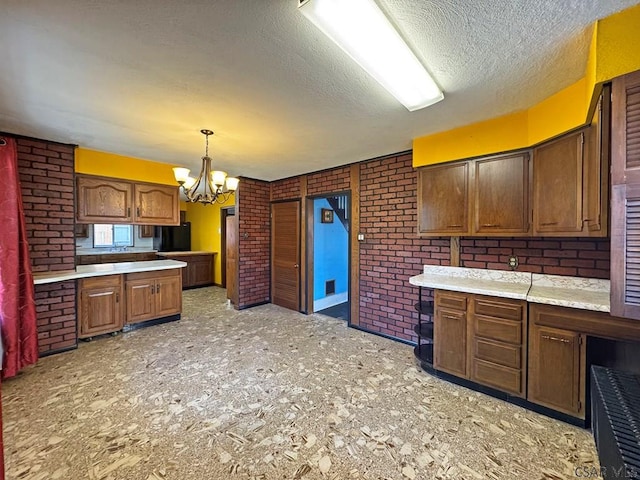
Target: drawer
{"x":500,"y":353}
{"x":497,"y":376}
{"x":456,"y":301}
{"x":100,"y":282}
{"x":499,"y":309}
{"x":498,"y":329}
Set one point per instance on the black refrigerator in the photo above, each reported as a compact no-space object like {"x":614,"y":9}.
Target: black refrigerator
{"x":172,"y":239}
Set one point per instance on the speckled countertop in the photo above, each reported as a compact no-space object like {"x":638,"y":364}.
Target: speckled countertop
{"x":573,"y":292}
{"x":85,"y":271}
{"x":475,"y":280}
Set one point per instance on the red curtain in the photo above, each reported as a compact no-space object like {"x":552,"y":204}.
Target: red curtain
{"x":17,"y":306}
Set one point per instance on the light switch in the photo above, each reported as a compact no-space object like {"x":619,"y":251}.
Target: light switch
{"x":361,"y":237}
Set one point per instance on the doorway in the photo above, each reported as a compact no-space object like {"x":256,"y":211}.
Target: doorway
{"x":330,"y":253}
{"x":224,"y":213}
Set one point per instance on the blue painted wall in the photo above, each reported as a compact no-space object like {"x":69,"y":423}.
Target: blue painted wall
{"x":330,"y":252}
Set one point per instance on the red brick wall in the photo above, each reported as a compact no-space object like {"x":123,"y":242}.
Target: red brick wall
{"x":391,"y":251}
{"x":47,"y":180}
{"x":329,"y":181}
{"x":56,"y":310}
{"x":254,"y":275}
{"x":578,"y":257}
{"x":285,"y":189}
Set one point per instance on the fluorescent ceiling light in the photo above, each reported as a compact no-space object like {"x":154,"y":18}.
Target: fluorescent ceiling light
{"x":361,"y":29}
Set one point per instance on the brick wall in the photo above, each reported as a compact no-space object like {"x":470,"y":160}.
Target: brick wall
{"x":578,"y":257}
{"x":47,"y":180}
{"x":329,"y":181}
{"x":391,"y":252}
{"x":285,"y":189}
{"x":254,"y":273}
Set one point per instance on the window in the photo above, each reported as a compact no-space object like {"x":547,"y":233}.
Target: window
{"x":112,"y":235}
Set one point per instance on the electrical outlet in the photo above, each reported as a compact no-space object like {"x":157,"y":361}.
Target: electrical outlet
{"x":513,"y":262}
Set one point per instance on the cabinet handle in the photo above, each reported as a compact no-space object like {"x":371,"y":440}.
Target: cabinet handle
{"x":546,"y":224}
{"x":454,"y":226}
{"x":450,"y":317}
{"x":128,"y":211}
{"x":555,"y":339}
{"x":492,"y":225}
{"x":117,"y":298}
{"x":157,"y":288}
{"x":152,"y":290}
{"x":138,"y":211}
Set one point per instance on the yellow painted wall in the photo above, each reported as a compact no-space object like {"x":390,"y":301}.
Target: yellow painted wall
{"x":205,"y":230}
{"x":614,"y":51}
{"x":93,"y":162}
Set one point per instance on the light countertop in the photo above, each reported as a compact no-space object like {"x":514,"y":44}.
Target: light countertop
{"x":475,"y":280}
{"x":573,"y":292}
{"x":86,"y":271}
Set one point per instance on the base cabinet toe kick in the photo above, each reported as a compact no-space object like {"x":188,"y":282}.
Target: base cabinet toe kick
{"x":534,"y":355}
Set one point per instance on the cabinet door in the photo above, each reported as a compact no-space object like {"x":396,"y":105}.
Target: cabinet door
{"x":141,"y":300}
{"x":625,"y":196}
{"x":596,"y":167}
{"x":443,"y":199}
{"x":450,"y":341}
{"x":557,"y":186}
{"x":168,"y":296}
{"x":556,"y":369}
{"x":145,"y":231}
{"x":100,"y":305}
{"x":501,"y":195}
{"x":201,"y":270}
{"x":102,"y":200}
{"x":157,"y":204}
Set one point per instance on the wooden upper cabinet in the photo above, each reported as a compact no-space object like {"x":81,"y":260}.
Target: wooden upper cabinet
{"x":156,"y":204}
{"x":625,"y":196}
{"x":110,"y":200}
{"x":443,"y":199}
{"x":103,"y":200}
{"x":501,"y":195}
{"x":557,"y":186}
{"x":597,"y":160}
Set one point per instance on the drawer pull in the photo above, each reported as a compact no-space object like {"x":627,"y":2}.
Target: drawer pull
{"x":491,"y":225}
{"x":546,"y":224}
{"x":555,"y":339}
{"x":450,"y":317}
{"x":454,"y":226}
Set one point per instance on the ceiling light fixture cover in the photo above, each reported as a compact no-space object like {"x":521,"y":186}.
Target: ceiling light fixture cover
{"x":212,"y":181}
{"x":361,"y":29}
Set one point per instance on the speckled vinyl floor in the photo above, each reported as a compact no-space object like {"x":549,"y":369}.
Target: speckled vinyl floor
{"x":266,"y":393}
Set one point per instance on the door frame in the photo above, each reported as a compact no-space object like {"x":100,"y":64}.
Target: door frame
{"x":310,"y":248}
{"x":224,"y":213}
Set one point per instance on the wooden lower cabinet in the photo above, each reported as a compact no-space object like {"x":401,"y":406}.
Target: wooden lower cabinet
{"x":499,"y":334}
{"x":481,"y":339}
{"x":199,"y":269}
{"x":557,"y":363}
{"x":450,"y":333}
{"x":100,"y":305}
{"x":153,"y":295}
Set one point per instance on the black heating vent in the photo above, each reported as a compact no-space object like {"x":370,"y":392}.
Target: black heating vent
{"x":615,"y":410}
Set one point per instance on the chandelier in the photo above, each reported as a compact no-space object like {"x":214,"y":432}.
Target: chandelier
{"x":212,"y":181}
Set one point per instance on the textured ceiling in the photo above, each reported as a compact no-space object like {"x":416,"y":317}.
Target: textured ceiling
{"x":141,"y":78}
